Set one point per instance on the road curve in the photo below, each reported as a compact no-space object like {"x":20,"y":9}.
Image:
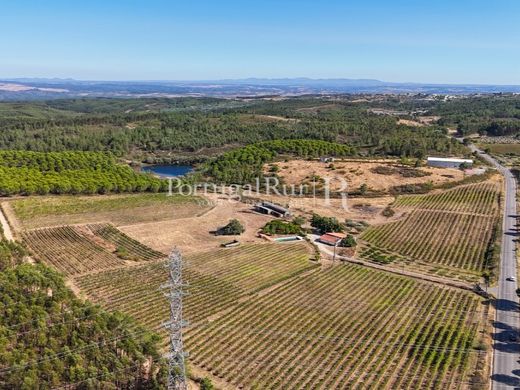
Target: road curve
{"x":506,"y":366}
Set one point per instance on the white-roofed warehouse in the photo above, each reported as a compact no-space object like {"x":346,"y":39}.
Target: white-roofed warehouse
{"x":448,"y":162}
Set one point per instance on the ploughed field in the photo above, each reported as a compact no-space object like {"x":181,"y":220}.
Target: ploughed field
{"x":449,"y":231}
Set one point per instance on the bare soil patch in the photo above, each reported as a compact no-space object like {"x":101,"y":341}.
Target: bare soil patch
{"x":361,"y":209}
{"x":409,"y":122}
{"x":193,"y":234}
{"x":355,"y":174}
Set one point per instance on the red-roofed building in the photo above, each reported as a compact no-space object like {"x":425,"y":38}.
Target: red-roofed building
{"x":331,"y":238}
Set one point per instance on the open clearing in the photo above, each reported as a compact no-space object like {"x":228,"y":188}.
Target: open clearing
{"x":193,"y":234}
{"x":296,"y":172}
{"x":509,"y":148}
{"x":37,"y":212}
{"x":358,"y":208}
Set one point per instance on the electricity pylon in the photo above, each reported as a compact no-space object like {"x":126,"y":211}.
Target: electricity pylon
{"x":175,"y":286}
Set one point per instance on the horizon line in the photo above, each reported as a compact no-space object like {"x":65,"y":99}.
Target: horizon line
{"x":252,"y":78}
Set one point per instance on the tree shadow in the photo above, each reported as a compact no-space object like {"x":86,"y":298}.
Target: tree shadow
{"x":506,"y":338}
{"x":508,"y":380}
{"x":506,"y":305}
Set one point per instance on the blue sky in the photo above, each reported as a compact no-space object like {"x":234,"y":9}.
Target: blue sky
{"x":439,"y":41}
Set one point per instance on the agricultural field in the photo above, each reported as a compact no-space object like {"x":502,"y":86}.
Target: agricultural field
{"x":133,"y":249}
{"x":336,"y":329}
{"x":75,"y":250}
{"x":215,"y":280}
{"x":507,"y":148}
{"x":450,"y":231}
{"x":330,"y":325}
{"x":128,"y":209}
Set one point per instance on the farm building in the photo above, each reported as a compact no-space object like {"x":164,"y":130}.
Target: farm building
{"x":331,"y":238}
{"x":272,"y":209}
{"x":448,"y":162}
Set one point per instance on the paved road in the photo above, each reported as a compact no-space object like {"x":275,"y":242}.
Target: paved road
{"x":506,"y":366}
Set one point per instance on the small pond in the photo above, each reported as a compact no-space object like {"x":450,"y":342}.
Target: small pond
{"x":168,"y":170}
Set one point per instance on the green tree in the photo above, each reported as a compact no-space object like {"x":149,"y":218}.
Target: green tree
{"x":326,"y":224}
{"x":234,"y":227}
{"x":348,"y":242}
{"x":206,"y":384}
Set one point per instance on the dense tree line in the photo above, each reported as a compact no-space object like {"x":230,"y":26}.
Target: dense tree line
{"x":149,"y":126}
{"x":493,"y":115}
{"x":26,"y":173}
{"x":244,"y":165}
{"x":11,"y":254}
{"x":50,"y":339}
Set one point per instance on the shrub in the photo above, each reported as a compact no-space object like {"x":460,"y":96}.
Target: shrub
{"x":348,"y":242}
{"x":234,"y":227}
{"x":388,"y":212}
{"x":298,"y":220}
{"x":280,"y":227}
{"x":206,"y":384}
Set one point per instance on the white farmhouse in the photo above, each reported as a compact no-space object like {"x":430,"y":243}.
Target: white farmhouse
{"x":448,"y":162}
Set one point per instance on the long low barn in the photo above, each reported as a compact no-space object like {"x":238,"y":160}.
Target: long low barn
{"x":448,"y":162}
{"x":272,"y":209}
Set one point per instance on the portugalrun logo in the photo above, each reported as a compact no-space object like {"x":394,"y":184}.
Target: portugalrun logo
{"x":325,"y":191}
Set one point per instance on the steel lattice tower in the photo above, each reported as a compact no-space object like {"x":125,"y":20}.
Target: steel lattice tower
{"x":177,"y":368}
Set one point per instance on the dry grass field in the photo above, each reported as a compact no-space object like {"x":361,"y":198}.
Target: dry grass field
{"x":194,"y":233}
{"x":358,"y":208}
{"x":35,"y":212}
{"x":510,"y":148}
{"x":296,"y":172}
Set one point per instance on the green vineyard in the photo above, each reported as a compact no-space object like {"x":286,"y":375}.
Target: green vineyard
{"x":74,"y":250}
{"x":342,"y":327}
{"x":478,"y":198}
{"x":451,"y":229}
{"x":68,"y":251}
{"x":346,"y":327}
{"x":135,"y":250}
{"x":215,"y":281}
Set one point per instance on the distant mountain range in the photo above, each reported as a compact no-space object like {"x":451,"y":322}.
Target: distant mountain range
{"x":35,"y":88}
